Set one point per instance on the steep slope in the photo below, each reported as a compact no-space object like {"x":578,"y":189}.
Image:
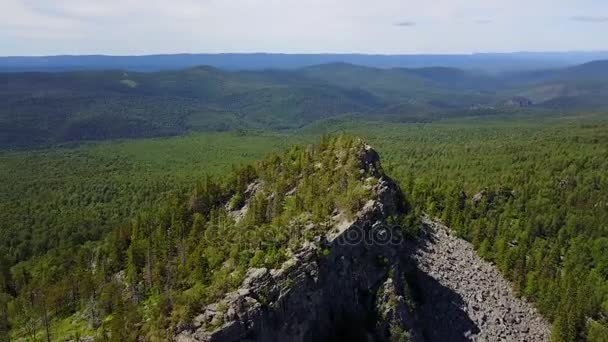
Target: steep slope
{"x":362,"y":280}
{"x":346,"y":283}
{"x":459,"y":287}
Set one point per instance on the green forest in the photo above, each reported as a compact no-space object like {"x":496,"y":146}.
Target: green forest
{"x":105,"y":239}
{"x":42,"y":109}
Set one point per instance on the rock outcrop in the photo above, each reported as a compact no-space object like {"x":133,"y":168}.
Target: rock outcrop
{"x":478,"y":197}
{"x":345,"y":285}
{"x":518,"y":102}
{"x":489,"y":196}
{"x":361,"y":281}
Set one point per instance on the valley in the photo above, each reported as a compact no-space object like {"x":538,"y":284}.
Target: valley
{"x":43,"y":109}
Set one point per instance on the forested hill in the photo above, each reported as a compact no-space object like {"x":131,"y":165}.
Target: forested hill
{"x":44,"y":108}
{"x":258,"y":61}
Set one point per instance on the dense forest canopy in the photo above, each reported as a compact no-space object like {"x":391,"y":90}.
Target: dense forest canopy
{"x":149,"y":275}
{"x":529,"y":194}
{"x":47,"y":108}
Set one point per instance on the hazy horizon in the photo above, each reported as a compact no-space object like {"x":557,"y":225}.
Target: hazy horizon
{"x":514,"y":52}
{"x":387,"y":27}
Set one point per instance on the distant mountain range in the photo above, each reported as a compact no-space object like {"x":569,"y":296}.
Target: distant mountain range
{"x":492,"y":62}
{"x":47,"y":107}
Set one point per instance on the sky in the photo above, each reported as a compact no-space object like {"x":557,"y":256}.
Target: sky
{"x":137,"y":27}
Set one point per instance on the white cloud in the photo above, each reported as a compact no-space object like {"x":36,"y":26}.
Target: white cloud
{"x":590,"y":19}
{"x":163,"y":26}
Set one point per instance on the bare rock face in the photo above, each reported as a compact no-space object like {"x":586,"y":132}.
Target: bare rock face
{"x":361,"y":281}
{"x":396,"y":309}
{"x":518,"y":102}
{"x":478,"y":197}
{"x":346,"y":285}
{"x":490,"y":196}
{"x":370,"y":160}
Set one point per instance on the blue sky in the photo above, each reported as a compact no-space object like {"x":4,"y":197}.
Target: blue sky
{"x":125,"y":27}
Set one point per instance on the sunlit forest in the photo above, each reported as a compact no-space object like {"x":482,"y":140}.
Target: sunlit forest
{"x":81,"y":223}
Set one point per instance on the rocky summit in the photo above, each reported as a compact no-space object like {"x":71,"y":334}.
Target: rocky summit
{"x":347,"y":284}
{"x":362,"y":280}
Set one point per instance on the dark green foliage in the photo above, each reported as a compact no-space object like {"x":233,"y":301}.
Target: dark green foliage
{"x":47,"y":108}
{"x":542,"y":219}
{"x":64,"y":197}
{"x":4,"y":319}
{"x":155,"y":272}
{"x":42,"y":108}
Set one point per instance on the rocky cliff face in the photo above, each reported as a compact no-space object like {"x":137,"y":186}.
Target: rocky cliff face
{"x":362,"y":281}
{"x":345,"y":285}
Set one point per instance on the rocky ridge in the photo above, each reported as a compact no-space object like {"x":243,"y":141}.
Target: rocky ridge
{"x":362,"y":281}
{"x":347,"y":284}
